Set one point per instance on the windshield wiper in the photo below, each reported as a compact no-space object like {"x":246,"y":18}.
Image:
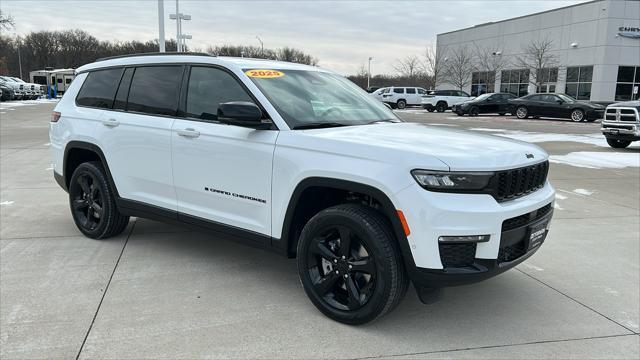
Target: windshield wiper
{"x":318,"y":125}
{"x":383,"y":121}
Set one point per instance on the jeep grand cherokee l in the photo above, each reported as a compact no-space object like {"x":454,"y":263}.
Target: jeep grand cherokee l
{"x":301,"y":161}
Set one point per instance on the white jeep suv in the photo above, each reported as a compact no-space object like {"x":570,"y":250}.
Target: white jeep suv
{"x":401,"y":97}
{"x":298,"y":160}
{"x":441,"y":100}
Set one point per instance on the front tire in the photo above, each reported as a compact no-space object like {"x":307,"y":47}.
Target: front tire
{"x":474,"y":111}
{"x":522,"y":112}
{"x":92,"y":203}
{"x":577,"y":115}
{"x":350,"y":265}
{"x":618,"y":144}
{"x":401,"y":104}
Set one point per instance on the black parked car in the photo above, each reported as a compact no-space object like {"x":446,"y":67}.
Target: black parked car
{"x":556,"y":106}
{"x":496,"y":103}
{"x":7,"y":93}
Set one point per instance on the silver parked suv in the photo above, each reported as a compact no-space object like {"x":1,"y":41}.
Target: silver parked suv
{"x":621,"y":123}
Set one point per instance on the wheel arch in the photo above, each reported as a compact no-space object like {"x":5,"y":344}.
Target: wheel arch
{"x":77,"y":152}
{"x":289,"y":237}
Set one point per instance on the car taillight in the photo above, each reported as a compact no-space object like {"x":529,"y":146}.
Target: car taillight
{"x":55,"y":116}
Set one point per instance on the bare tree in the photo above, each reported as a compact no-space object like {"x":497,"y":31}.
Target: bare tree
{"x":458,"y":67}
{"x":434,"y":64}
{"x":409,"y":67}
{"x":489,"y":59}
{"x":6,"y":21}
{"x":538,"y":57}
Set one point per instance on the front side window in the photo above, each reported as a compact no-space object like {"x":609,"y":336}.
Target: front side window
{"x":99,"y":88}
{"x":154,"y":90}
{"x":208,"y":88}
{"x":307,"y":98}
{"x":579,"y":82}
{"x":422,"y":91}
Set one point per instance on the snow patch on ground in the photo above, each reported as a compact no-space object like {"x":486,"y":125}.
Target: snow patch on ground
{"x":598,"y":160}
{"x":533,"y":267}
{"x":489,"y":130}
{"x":583,"y":192}
{"x":7,"y":203}
{"x":557,"y":206}
{"x":18,"y":103}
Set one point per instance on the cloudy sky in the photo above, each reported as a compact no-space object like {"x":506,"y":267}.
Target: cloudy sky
{"x":341,"y":34}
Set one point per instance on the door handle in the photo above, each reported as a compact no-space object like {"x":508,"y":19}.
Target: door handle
{"x":189,"y":133}
{"x":111,"y":122}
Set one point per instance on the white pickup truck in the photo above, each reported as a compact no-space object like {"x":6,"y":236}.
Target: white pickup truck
{"x":441,"y":100}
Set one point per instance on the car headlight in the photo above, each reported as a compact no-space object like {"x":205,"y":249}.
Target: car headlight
{"x":452,"y":180}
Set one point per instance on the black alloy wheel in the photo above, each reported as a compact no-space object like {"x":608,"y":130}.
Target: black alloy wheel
{"x":92,"y":203}
{"x":88,"y":201}
{"x":441,"y":107}
{"x":350,"y":265}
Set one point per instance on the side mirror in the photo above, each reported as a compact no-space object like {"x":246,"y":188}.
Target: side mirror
{"x":241,"y":113}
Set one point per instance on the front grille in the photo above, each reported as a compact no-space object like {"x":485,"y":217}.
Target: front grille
{"x":520,"y":182}
{"x":518,"y":221}
{"x":457,"y":255}
{"x":512,"y":252}
{"x":622,"y":114}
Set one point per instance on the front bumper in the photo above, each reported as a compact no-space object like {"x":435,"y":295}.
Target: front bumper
{"x":431,"y":215}
{"x":621,"y":130}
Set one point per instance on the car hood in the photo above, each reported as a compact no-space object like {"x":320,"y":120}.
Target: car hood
{"x":590,"y":104}
{"x":423,"y":146}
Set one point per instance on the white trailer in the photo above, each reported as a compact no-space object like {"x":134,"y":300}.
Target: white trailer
{"x":61,"y":78}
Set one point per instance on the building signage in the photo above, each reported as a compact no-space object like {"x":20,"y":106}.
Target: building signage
{"x":630,"y":32}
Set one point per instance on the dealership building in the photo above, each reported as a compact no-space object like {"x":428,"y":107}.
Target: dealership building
{"x":595,"y":52}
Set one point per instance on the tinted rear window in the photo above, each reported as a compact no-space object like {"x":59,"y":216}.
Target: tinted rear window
{"x":99,"y":88}
{"x":154,"y":90}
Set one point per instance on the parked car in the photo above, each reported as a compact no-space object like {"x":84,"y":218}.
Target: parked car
{"x":621,"y":124}
{"x":556,"y":106}
{"x":301,"y":161}
{"x":493,"y":103}
{"x":18,"y":89}
{"x":7,"y":92}
{"x":401,"y":97}
{"x":441,"y":100}
{"x":32,"y":91}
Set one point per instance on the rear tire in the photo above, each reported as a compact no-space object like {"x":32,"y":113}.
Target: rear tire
{"x":354,"y":281}
{"x":441,"y":107}
{"x":93,"y":204}
{"x":522,"y":112}
{"x":618,"y":144}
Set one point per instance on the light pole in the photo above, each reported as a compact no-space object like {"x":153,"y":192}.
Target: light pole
{"x":161,"y":25}
{"x":369,"y":73}
{"x":261,"y":46}
{"x":178,"y":17}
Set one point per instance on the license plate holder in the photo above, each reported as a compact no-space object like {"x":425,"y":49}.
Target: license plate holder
{"x":537,"y":234}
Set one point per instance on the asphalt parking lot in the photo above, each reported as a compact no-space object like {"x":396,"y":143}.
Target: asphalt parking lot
{"x":160,"y":291}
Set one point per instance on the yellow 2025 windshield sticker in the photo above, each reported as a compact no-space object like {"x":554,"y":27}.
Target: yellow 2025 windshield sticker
{"x":264,"y":74}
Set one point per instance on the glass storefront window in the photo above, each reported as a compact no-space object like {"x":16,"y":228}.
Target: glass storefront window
{"x":628,"y":86}
{"x":579,"y":82}
{"x":482,"y":82}
{"x":515,"y":82}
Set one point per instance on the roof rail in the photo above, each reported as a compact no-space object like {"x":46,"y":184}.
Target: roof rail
{"x":153,"y":54}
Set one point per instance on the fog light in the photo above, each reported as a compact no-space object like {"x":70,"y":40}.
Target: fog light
{"x":464,"y":239}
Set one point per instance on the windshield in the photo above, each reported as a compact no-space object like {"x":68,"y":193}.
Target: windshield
{"x":313,"y":98}
{"x":565,"y":98}
{"x":483,"y":96}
